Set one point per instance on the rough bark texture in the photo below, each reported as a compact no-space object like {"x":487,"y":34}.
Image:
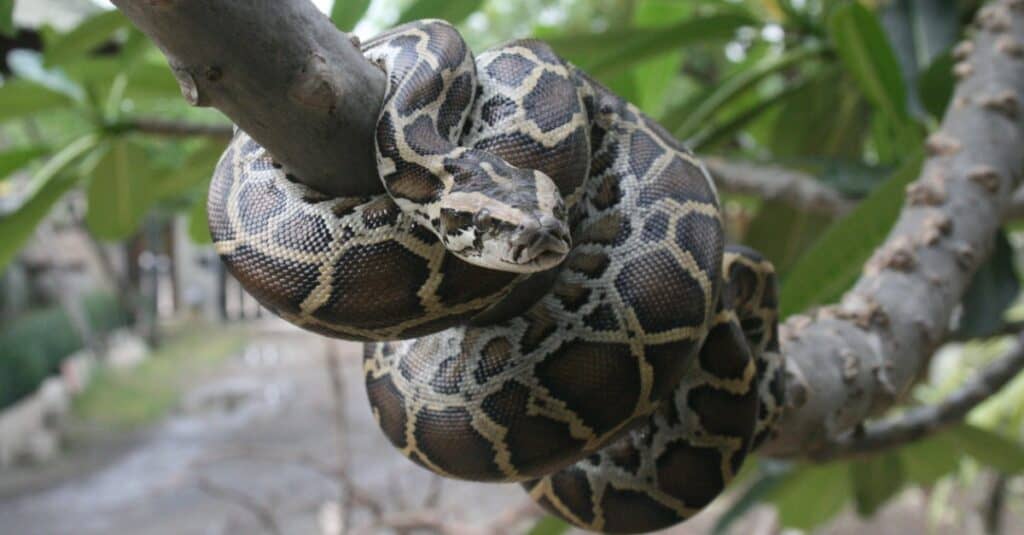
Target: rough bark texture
{"x":283,"y":73}
{"x":856,"y":359}
{"x":925,"y":420}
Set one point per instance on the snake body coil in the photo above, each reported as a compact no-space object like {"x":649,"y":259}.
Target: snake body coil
{"x":544,"y":285}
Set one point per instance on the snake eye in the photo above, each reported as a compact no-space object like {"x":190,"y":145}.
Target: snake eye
{"x":482,"y":220}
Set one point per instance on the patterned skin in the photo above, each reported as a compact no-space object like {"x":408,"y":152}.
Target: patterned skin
{"x":545,"y":279}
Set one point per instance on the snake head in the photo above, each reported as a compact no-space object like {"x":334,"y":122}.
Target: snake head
{"x":518,"y":225}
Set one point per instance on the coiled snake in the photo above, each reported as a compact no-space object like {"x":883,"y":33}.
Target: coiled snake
{"x":544,"y":285}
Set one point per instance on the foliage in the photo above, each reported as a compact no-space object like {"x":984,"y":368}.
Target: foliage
{"x":72,"y":114}
{"x":6,"y":17}
{"x":32,"y":347}
{"x":835,"y":261}
{"x":346,"y":14}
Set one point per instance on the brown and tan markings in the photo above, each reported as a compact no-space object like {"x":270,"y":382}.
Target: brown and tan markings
{"x":544,"y":284}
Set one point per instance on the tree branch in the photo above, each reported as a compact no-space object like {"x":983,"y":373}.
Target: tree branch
{"x":852,"y":360}
{"x":799,"y":190}
{"x":920,"y":422}
{"x":283,"y":73}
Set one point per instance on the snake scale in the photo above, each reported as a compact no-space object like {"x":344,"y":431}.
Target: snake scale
{"x":543,"y":288}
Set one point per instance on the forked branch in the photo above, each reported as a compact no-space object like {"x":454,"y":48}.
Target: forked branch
{"x":855,"y":359}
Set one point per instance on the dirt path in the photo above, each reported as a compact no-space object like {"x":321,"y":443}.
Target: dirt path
{"x":254,"y":449}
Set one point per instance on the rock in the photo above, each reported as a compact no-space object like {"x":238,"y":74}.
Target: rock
{"x":54,"y":402}
{"x":126,"y":350}
{"x":77,"y":371}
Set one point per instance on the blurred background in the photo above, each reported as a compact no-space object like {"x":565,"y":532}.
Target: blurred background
{"x":142,"y":391}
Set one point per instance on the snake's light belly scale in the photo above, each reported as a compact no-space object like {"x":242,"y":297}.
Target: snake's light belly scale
{"x":543,"y":287}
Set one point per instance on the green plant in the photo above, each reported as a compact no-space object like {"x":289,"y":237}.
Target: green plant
{"x":32,"y":347}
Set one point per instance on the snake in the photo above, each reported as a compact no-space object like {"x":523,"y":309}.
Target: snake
{"x":543,"y":287}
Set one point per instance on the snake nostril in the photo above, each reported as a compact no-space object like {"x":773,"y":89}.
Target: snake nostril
{"x":554,"y":227}
{"x":527,"y":232}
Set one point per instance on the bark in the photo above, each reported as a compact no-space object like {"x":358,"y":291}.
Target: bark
{"x":854,"y":360}
{"x":283,"y":73}
{"x":926,"y":420}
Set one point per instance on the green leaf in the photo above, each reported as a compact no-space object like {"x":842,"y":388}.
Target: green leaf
{"x":453,"y":11}
{"x":15,"y":159}
{"x":28,"y":65}
{"x":685,"y":123}
{"x":152,"y":80}
{"x":94,"y":71}
{"x":833,"y":263}
{"x":19,"y":226}
{"x":347,"y":13}
{"x":919,"y":32}
{"x":865,"y":51}
{"x":44,"y":190}
{"x":727,"y":130}
{"x":993,"y":289}
{"x":61,"y":161}
{"x":929,"y":460}
{"x":86,"y":37}
{"x":989,"y":448}
{"x":875,"y":480}
{"x":936,"y":27}
{"x":647,"y":43}
{"x":812,"y":495}
{"x":766,"y":483}
{"x":936,"y":85}
{"x":893,"y":138}
{"x":606,"y":54}
{"x":824,"y":119}
{"x":800,"y":18}
{"x":199,"y":223}
{"x":654,"y":77}
{"x":20,"y":98}
{"x":196,"y":170}
{"x":783,"y":234}
{"x":549,"y":525}
{"x":7,"y":18}
{"x":119,"y":193}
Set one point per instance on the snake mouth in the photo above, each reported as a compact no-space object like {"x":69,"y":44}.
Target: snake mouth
{"x":541,"y":247}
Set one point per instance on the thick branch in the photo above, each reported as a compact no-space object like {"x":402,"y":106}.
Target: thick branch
{"x":797,"y":189}
{"x":923,"y":421}
{"x":856,"y":359}
{"x":283,"y":73}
